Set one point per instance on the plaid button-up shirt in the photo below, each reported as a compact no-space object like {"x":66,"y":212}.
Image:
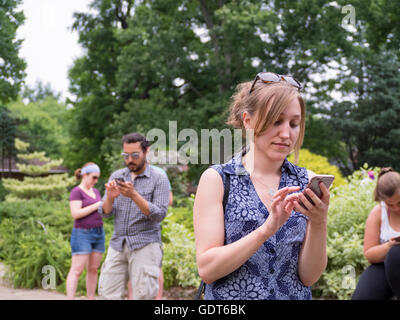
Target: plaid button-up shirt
{"x":130,"y":224}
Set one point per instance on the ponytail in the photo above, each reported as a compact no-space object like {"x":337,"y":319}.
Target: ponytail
{"x":387,"y":185}
{"x":78,"y":174}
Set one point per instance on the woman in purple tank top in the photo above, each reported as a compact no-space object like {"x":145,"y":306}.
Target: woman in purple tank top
{"x":87,"y":238}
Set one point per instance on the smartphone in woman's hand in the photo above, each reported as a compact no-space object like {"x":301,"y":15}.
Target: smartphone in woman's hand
{"x":326,"y":179}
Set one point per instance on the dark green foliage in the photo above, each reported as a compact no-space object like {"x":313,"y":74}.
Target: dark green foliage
{"x":8,"y":131}
{"x":179,"y":261}
{"x":151,"y":62}
{"x":43,"y":124}
{"x":26,"y":247}
{"x":35,"y":233}
{"x":322,"y":138}
{"x":54,"y":214}
{"x":11,"y":65}
{"x":370,"y":125}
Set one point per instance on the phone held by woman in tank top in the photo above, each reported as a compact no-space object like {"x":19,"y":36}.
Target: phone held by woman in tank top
{"x":326,"y":179}
{"x":397,"y":239}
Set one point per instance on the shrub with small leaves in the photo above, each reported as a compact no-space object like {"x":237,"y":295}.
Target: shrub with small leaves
{"x":349,"y":207}
{"x":179,"y":262}
{"x":29,"y":246}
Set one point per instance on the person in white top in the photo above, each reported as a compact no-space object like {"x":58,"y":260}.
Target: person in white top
{"x":381,"y":280}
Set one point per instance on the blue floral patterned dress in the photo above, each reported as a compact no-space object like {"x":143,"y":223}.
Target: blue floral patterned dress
{"x":271,"y":273}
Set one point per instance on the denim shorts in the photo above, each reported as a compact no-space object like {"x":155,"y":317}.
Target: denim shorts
{"x":86,"y":241}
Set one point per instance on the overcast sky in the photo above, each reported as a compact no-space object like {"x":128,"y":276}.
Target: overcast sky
{"x":50,"y":46}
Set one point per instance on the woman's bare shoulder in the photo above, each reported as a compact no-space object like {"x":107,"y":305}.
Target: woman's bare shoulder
{"x":375,"y":212}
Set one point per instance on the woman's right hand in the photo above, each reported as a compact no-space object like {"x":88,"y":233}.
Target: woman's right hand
{"x":281,"y":208}
{"x":392,"y":242}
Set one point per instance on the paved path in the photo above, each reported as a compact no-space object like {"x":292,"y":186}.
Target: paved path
{"x":26,"y":294}
{"x":8,"y":293}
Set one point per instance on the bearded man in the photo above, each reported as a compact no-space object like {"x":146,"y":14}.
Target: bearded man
{"x":137,"y":196}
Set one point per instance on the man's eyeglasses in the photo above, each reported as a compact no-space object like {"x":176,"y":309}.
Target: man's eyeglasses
{"x":271,"y":77}
{"x":133,"y":155}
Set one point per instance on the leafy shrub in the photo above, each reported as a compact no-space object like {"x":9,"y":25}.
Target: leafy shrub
{"x":27,"y":247}
{"x":319,"y":164}
{"x":53,"y":214}
{"x":3,"y":191}
{"x":349,"y":207}
{"x":36,"y":232}
{"x":50,"y":187}
{"x":182,"y":212}
{"x":179,"y":263}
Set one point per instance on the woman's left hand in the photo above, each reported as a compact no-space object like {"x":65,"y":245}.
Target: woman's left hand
{"x":317,"y":212}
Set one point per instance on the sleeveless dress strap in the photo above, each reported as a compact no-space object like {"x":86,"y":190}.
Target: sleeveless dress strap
{"x":226,"y":182}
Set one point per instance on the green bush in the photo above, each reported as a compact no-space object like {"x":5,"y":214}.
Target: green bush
{"x":318,"y":164}
{"x":179,"y":262}
{"x":27,"y":246}
{"x":349,"y":207}
{"x":36,"y":232}
{"x":51,"y":187}
{"x":182,"y":212}
{"x":3,"y":191}
{"x":54,"y":214}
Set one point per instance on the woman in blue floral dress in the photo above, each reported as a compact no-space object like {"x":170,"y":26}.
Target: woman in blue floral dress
{"x":265,"y":245}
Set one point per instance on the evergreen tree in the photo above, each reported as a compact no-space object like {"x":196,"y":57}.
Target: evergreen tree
{"x":37,"y":183}
{"x":11,"y":65}
{"x":370,"y":125}
{"x":148,"y":62}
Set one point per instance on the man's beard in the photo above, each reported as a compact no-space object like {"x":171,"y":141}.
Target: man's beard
{"x":137,"y":167}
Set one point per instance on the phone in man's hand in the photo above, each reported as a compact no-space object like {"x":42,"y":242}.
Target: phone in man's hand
{"x":119,"y":180}
{"x":326,"y":179}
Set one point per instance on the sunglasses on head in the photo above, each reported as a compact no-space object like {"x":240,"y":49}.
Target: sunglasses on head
{"x":271,"y":77}
{"x":133,"y":155}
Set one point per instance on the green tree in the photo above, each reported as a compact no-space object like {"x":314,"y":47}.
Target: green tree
{"x":7,"y":137}
{"x":43,"y":124}
{"x":37,"y":183}
{"x":380,"y":20}
{"x":11,"y":65}
{"x":39,"y":92}
{"x":369,"y":124}
{"x":322,"y":138}
{"x":93,"y":78}
{"x":152,"y":61}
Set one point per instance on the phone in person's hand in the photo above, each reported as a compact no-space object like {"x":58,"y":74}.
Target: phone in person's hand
{"x":119,"y":180}
{"x":397,"y":239}
{"x":326,"y":179}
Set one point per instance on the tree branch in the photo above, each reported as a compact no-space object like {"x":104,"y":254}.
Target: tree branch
{"x":120,"y":15}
